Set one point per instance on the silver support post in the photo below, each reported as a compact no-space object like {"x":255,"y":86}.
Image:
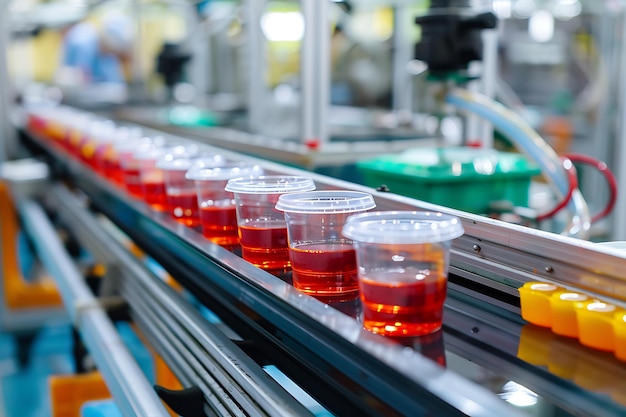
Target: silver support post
{"x":619,"y":229}
{"x":8,"y":138}
{"x":315,"y":71}
{"x":256,"y":64}
{"x":136,"y":64}
{"x":402,"y":54}
{"x":489,"y":79}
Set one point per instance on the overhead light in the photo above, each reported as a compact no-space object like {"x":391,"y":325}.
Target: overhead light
{"x":541,"y":26}
{"x":523,"y":9}
{"x":566,"y":9}
{"x":283,"y":26}
{"x":503,"y":8}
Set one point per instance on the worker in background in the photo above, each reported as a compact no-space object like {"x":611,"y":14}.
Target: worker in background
{"x":96,"y":52}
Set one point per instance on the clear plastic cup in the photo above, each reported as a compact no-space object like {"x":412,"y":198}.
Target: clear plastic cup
{"x":262,"y":228}
{"x":106,"y":158}
{"x":403,"y":259}
{"x":218,"y":215}
{"x":129,"y":166}
{"x":151,"y":178}
{"x":323,"y":261}
{"x":182,"y":199}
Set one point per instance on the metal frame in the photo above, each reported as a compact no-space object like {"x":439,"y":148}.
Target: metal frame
{"x":127,"y":383}
{"x":307,"y":339}
{"x":8,"y":139}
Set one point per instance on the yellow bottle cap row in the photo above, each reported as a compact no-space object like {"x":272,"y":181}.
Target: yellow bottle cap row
{"x":595,"y":323}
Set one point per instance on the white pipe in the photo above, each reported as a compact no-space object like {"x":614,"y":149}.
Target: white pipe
{"x":531,"y":143}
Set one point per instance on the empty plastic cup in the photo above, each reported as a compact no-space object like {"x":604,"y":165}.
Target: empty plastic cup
{"x":218,"y":215}
{"x":262,"y":228}
{"x":182,"y":199}
{"x":403,"y":262}
{"x":322,"y":259}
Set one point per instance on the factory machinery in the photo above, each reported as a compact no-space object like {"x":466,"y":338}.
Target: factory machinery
{"x":243,"y":342}
{"x":486,"y":361}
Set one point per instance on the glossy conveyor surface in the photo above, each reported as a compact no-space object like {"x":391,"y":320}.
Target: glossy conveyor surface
{"x":325,"y":350}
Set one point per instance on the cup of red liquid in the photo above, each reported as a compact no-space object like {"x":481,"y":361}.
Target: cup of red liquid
{"x":218,"y":214}
{"x":323,"y":261}
{"x":262,"y":228}
{"x":151,"y":178}
{"x":129,"y":165}
{"x":403,"y":259}
{"x":182,"y":199}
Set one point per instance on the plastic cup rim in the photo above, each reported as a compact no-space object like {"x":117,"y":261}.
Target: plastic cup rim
{"x":325,"y":202}
{"x":270,"y":184}
{"x":403,"y":227}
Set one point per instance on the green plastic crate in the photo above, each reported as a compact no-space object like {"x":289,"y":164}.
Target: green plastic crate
{"x":467,"y":179}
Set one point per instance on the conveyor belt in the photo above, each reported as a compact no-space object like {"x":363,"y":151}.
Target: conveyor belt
{"x":351,"y":371}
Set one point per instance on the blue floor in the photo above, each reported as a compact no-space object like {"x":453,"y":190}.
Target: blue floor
{"x":24,"y":391}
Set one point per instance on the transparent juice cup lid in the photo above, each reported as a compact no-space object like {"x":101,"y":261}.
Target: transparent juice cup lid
{"x":410,"y":227}
{"x":184,"y":162}
{"x":270,"y":184}
{"x":321,"y":202}
{"x":156,"y":152}
{"x":134,"y":143}
{"x":224,"y":172}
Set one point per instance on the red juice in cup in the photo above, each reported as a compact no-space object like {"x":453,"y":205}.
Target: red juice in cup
{"x":265,"y":245}
{"x":322,"y":259}
{"x":325,"y":269}
{"x":217,"y":206}
{"x":262,"y":228}
{"x":402,"y":259}
{"x":219,"y":224}
{"x":181,"y":195}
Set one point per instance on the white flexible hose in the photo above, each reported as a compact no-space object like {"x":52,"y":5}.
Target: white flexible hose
{"x":527,"y":140}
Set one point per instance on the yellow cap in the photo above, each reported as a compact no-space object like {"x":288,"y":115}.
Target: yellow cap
{"x":535,"y":302}
{"x":563,"y":306}
{"x":595,"y":325}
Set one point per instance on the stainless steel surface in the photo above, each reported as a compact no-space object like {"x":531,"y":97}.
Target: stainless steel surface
{"x":467,"y":397}
{"x":509,"y":255}
{"x":402,"y":54}
{"x":285,"y":151}
{"x":315,"y":71}
{"x":222,"y":367}
{"x":127,"y":383}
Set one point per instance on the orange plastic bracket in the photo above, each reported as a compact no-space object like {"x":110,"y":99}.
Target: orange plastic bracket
{"x":68,"y":393}
{"x":19,"y":293}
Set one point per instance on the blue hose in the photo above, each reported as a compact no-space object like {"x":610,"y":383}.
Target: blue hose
{"x":531,"y":143}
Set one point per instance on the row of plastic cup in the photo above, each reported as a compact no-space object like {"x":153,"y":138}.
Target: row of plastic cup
{"x":396,"y":261}
{"x":331,"y":241}
{"x":595,"y":323}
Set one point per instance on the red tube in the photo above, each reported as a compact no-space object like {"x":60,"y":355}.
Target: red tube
{"x":573,"y":184}
{"x":608,"y":176}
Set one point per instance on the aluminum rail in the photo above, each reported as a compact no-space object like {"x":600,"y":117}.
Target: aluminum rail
{"x":231,"y":372}
{"x":498,"y":255}
{"x":309,"y":324}
{"x":501,"y":255}
{"x":131,"y":390}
